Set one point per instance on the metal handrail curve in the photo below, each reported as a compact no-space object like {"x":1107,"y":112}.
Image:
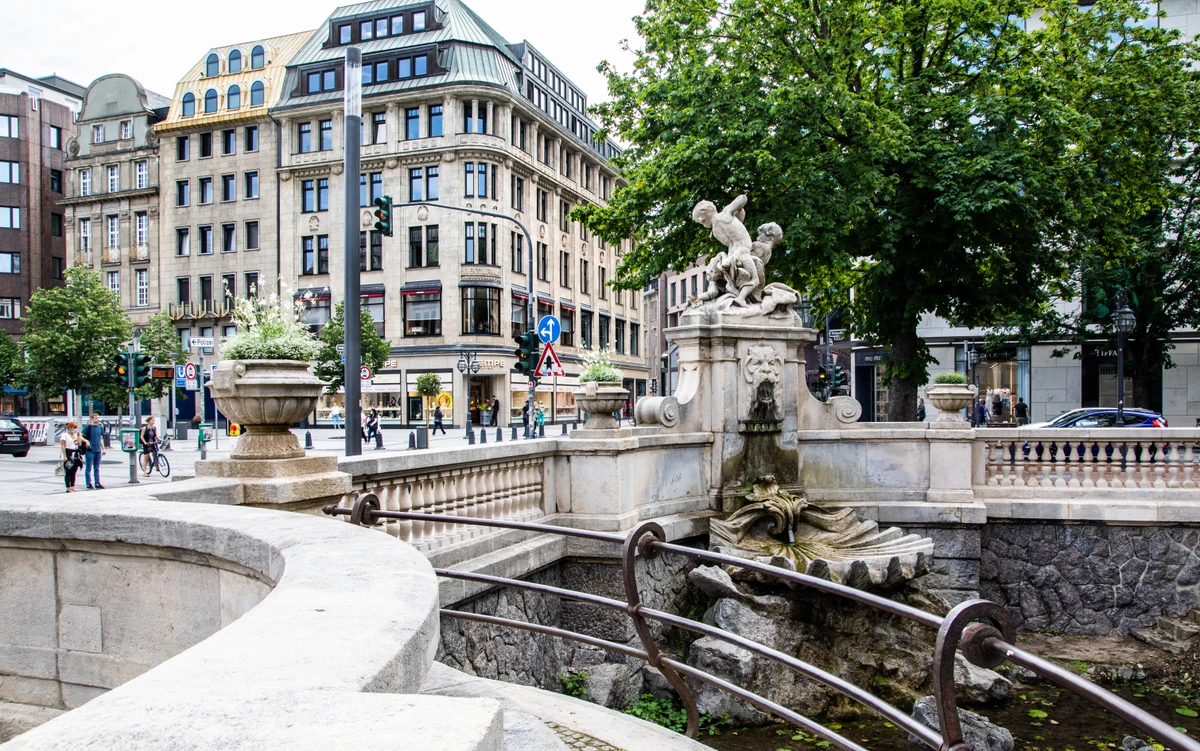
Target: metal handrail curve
{"x":983,"y":631}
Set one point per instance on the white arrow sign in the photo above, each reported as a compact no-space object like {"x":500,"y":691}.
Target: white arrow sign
{"x":202,"y":342}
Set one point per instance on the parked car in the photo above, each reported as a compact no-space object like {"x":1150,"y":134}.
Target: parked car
{"x":1105,"y":417}
{"x":14,"y":437}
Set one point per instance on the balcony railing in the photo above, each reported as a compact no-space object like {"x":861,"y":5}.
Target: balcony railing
{"x":139,"y":254}
{"x":110,"y":256}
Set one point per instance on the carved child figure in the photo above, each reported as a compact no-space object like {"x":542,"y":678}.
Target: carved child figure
{"x":738,"y":264}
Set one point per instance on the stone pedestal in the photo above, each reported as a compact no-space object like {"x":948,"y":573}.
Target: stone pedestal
{"x":950,"y":446}
{"x":293,"y":483}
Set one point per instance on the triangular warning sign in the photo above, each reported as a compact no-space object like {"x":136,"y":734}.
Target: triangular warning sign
{"x":549,"y":364}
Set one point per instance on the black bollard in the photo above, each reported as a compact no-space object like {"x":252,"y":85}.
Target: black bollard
{"x":378,"y":439}
{"x":542,"y":430}
{"x":499,"y":435}
{"x":514,"y":432}
{"x":575,"y":425}
{"x":564,"y":429}
{"x":412,"y":439}
{"x":482,"y":435}
{"x":308,"y":439}
{"x":471,"y":439}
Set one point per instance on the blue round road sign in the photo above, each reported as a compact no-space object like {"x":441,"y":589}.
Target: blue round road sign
{"x":548,"y":329}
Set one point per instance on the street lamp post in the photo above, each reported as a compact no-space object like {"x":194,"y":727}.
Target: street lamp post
{"x":468,"y":363}
{"x":1124,"y":322}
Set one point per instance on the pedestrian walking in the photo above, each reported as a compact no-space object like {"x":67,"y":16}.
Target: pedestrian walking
{"x":979,"y":415}
{"x":372,"y":425}
{"x":93,"y":434}
{"x":525,"y":417}
{"x":437,"y":420}
{"x":920,"y":409}
{"x":496,"y":411}
{"x":70,"y":446}
{"x":541,"y":415}
{"x":335,"y":414}
{"x":1021,"y":410}
{"x":362,"y":422}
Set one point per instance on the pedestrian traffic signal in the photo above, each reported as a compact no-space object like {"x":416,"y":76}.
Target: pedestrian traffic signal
{"x":141,"y":369}
{"x":527,"y":353}
{"x":120,"y":370}
{"x":383,"y":215}
{"x":841,"y":381}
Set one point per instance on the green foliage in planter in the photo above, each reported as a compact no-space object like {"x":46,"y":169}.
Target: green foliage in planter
{"x":955,"y":378}
{"x":599,"y":367}
{"x":269,"y":329}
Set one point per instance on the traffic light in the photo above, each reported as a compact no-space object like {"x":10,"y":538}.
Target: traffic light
{"x":383,"y":215}
{"x":120,"y":370}
{"x":141,"y":369}
{"x":527,"y":353}
{"x":841,"y":380}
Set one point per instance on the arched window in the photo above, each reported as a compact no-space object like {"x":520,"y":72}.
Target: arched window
{"x":258,"y":58}
{"x":233,"y":98}
{"x":235,"y":61}
{"x":212,"y":66}
{"x":189,"y":104}
{"x":210,"y":100}
{"x":256,"y":94}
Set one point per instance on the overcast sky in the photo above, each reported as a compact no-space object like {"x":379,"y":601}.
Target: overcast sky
{"x":158,"y":42}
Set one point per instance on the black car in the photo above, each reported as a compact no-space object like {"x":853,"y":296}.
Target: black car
{"x":14,"y":437}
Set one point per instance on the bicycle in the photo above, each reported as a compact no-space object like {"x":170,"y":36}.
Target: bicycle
{"x":157,"y":461}
{"x":164,"y":443}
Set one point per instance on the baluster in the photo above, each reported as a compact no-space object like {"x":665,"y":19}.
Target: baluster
{"x":388,"y":501}
{"x":1158,"y":454}
{"x":470,"y":488}
{"x":536,"y":470}
{"x":1076,"y":480}
{"x":449,"y":495}
{"x":1006,"y":464}
{"x":1124,"y":479}
{"x":1020,"y":461}
{"x":992,"y":467}
{"x":408,"y":529}
{"x":495,"y":493}
{"x":1145,"y":468}
{"x":1062,"y":455}
{"x":530,"y":476}
{"x":1048,"y":456}
{"x":507,"y":497}
{"x":1188,"y":461}
{"x":430,"y":524}
{"x":438,"y":508}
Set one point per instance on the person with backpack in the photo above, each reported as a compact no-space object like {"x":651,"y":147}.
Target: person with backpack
{"x":70,"y":444}
{"x":93,"y":436}
{"x":437,"y":420}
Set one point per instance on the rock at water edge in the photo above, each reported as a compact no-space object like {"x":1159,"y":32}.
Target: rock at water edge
{"x":979,"y":733}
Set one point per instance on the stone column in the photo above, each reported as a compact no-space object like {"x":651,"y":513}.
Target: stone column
{"x":448,"y":115}
{"x":394,"y":124}
{"x":474,"y":115}
{"x":491,"y":123}
{"x":950,"y":448}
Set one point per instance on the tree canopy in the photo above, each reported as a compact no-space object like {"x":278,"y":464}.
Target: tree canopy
{"x":947,"y":157}
{"x":375,"y":350}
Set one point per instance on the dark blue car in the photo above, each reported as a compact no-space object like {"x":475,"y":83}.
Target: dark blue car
{"x":1106,"y":417}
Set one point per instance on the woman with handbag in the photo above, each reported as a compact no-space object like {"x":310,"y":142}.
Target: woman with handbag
{"x":71,"y":444}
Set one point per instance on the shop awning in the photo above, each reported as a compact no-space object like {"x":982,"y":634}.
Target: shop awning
{"x":313,"y":293}
{"x":480,"y":283}
{"x":543,"y":297}
{"x":566,"y":304}
{"x":587,"y":308}
{"x":371,"y":290}
{"x":429,"y":285}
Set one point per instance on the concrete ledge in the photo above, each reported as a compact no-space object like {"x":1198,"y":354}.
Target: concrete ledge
{"x":905,"y":513}
{"x":1102,"y":509}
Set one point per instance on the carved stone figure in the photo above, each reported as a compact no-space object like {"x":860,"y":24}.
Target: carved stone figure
{"x":778,"y":527}
{"x":737,"y":275}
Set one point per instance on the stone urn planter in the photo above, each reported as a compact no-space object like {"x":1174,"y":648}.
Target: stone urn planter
{"x":265,"y":397}
{"x":950,"y":398}
{"x":600,"y":399}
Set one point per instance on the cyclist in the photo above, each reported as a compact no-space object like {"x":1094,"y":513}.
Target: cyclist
{"x":149,"y":443}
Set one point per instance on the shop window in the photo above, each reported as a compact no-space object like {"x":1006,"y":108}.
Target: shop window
{"x":585,"y":329}
{"x":480,"y":310}
{"x":422,"y":313}
{"x":315,"y":313}
{"x":520,"y":310}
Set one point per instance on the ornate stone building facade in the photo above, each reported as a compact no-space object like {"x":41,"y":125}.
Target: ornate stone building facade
{"x":112,"y":210}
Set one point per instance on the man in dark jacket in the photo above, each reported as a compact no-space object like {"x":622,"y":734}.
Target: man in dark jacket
{"x":920,"y":410}
{"x":1021,"y":410}
{"x":93,"y":433}
{"x":979,"y":416}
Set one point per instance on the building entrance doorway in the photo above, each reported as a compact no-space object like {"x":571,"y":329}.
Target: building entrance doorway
{"x":483,"y":391}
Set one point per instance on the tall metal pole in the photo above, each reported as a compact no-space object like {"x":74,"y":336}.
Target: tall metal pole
{"x":200,"y":394}
{"x":1120,"y":379}
{"x":133,"y":460}
{"x":353,"y":339}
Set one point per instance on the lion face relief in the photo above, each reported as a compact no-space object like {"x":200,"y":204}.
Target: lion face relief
{"x":762,"y":365}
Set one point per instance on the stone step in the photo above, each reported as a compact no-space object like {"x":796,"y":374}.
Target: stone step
{"x":1178,"y":629}
{"x":524,"y":732}
{"x":1193,"y":616}
{"x":1160,"y":640}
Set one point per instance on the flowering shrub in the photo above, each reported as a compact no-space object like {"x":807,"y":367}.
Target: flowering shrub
{"x":269,"y":329}
{"x":599,"y":367}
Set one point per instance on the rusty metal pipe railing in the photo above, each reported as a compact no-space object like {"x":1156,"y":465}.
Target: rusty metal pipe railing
{"x":982,"y":630}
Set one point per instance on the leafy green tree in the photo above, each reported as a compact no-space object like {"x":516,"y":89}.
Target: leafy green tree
{"x":375,"y":350}
{"x":929,"y":157}
{"x":429,"y":386}
{"x":70,"y":334}
{"x":12,"y":362}
{"x":160,"y":339}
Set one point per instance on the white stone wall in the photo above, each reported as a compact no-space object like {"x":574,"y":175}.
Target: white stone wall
{"x":1181,"y":385}
{"x":1054,"y":383}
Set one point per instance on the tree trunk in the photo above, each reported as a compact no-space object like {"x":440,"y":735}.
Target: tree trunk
{"x":902,"y":391}
{"x":1140,"y":369}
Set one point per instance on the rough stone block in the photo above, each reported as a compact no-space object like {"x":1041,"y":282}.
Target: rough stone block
{"x":79,"y":628}
{"x":27,"y":599}
{"x":41,"y":692}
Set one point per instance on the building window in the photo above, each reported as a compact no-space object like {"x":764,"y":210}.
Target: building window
{"x":365,"y":197}
{"x":635,"y":339}
{"x":316,"y":195}
{"x":603,"y":283}
{"x":397,"y":25}
{"x":114,"y":179}
{"x":543,"y":262}
{"x":228,"y":187}
{"x":517,"y":246}
{"x":126,"y":129}
{"x":315,"y":259}
{"x":189,"y":104}
{"x":379,"y":127}
{"x":182,"y":193}
{"x":564,"y":269}
{"x":113,"y":280}
{"x":229,"y":287}
{"x":435,"y":120}
{"x":566,"y":334}
{"x":376,"y":255}
{"x":56,"y":181}
{"x":345,"y":34}
{"x":10,"y":263}
{"x":114,"y":231}
{"x":480,"y":310}
{"x":10,"y":217}
{"x":373,"y":304}
{"x":229,"y":141}
{"x":252,"y":285}
{"x":520,"y":309}
{"x":518,"y":193}
{"x":257,"y":58}
{"x":233,"y":98}
{"x":620,"y":337}
{"x":141,"y":229}
{"x":97,"y":134}
{"x":603,"y":331}
{"x":304,"y":137}
{"x":585,"y":329}
{"x":10,"y":127}
{"x":212,"y":66}
{"x":85,"y":182}
{"x":431,"y":183}
{"x":56,"y":141}
{"x":251,"y":138}
{"x":673,"y":294}
{"x":418,"y":21}
{"x":85,"y":234}
{"x":210,"y":101}
{"x":206,"y":190}
{"x":56,"y":225}
{"x":563,"y":209}
{"x":415,"y":181}
{"x":412,"y":123}
{"x":206,"y":295}
{"x":252,"y":235}
{"x":182,"y":150}
{"x":543,"y":202}
{"x":206,"y":240}
{"x":142,"y":175}
{"x":235,"y":61}
{"x":10,"y":307}
{"x":308,"y":196}
{"x":326,"y":135}
{"x":205,"y":145}
{"x":183,"y":241}
{"x":228,"y":238}
{"x":183,"y":290}
{"x":257,"y":94}
{"x":143,"y":287}
{"x":251,"y":179}
{"x":10,"y":172}
{"x":422,"y":313}
{"x":469,"y":248}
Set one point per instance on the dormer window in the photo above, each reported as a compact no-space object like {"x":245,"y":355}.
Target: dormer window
{"x":345,"y":34}
{"x":189,"y":104}
{"x":233,"y":97}
{"x":235,"y":61}
{"x":210,"y":101}
{"x":212,"y":66}
{"x":418,"y":23}
{"x":257,"y":94}
{"x":257,"y":57}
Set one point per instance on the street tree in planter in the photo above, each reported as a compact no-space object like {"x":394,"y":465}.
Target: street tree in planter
{"x":375,"y":350}
{"x":429,"y":386}
{"x":71,"y":334}
{"x":933,"y":157}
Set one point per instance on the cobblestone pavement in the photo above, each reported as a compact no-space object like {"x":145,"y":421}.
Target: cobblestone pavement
{"x":573,"y":739}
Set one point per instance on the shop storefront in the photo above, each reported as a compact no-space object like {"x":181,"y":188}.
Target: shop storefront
{"x":420,"y":409}
{"x":554,"y":397}
{"x":1002,"y":376}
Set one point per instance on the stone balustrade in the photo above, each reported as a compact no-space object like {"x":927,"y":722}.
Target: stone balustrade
{"x":1125,"y":458}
